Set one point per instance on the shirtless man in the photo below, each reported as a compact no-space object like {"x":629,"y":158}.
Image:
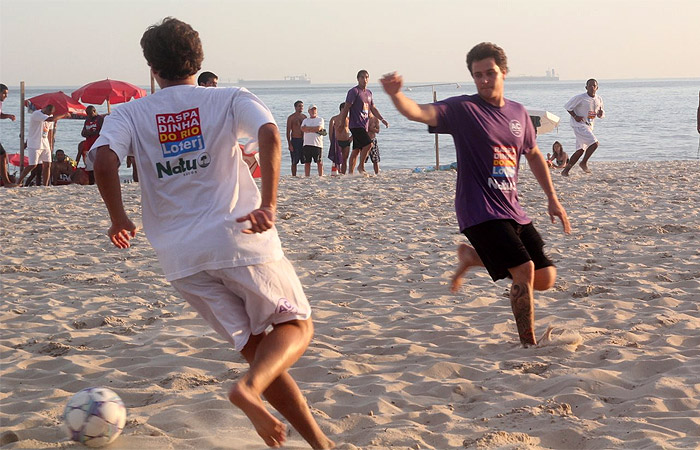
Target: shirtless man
{"x":343,"y":137}
{"x":295,"y":137}
{"x":61,"y":170}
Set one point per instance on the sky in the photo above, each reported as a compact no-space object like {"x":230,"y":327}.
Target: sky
{"x":73,"y":42}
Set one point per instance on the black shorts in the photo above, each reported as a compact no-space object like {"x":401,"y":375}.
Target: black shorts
{"x":296,"y":153}
{"x":360,"y":138}
{"x":504,"y":244}
{"x":312,"y":153}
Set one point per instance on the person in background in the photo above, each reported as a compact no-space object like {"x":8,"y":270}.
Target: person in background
{"x":313,"y":141}
{"x":40,"y":142}
{"x":91,"y":131}
{"x":343,"y":139}
{"x":373,"y":129}
{"x":295,"y":137}
{"x":208,"y":79}
{"x":491,"y":133}
{"x":228,"y":263}
{"x":358,"y":104}
{"x":584,"y":109}
{"x":558,"y":158}
{"x":4,"y":176}
{"x":62,"y":171}
{"x":699,"y":112}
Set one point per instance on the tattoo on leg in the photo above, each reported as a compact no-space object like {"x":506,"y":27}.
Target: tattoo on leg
{"x":522,"y":304}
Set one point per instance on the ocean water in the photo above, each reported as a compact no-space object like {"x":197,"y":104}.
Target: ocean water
{"x":646,"y":120}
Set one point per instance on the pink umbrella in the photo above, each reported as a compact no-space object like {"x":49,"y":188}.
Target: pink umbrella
{"x":111,"y":91}
{"x":61,"y":101}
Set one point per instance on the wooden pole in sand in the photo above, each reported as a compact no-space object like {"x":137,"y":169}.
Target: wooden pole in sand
{"x":437,"y":148}
{"x":21,"y":127}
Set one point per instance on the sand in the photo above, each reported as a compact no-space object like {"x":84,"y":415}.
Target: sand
{"x":397,"y":360}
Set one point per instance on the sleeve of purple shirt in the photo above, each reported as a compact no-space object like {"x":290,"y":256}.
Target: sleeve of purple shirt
{"x":352,"y":95}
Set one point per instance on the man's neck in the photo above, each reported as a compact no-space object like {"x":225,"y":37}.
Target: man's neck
{"x":495,"y":101}
{"x":163,"y":83}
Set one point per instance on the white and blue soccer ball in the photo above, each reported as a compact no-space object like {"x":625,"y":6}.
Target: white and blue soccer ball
{"x":94,"y":416}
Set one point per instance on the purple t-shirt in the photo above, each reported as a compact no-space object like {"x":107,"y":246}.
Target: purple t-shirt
{"x":361,"y":102}
{"x":489,"y":142}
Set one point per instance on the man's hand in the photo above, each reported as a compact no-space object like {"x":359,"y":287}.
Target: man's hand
{"x":386,"y":124}
{"x":261,"y":220}
{"x":121,"y":233}
{"x":556,"y":210}
{"x":600,"y":113}
{"x":392,"y":84}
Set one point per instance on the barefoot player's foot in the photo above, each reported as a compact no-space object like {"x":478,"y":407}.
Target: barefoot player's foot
{"x":565,"y":172}
{"x":467,"y":258}
{"x":271,"y":430}
{"x":585,"y":168}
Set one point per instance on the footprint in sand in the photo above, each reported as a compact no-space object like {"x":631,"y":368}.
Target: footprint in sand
{"x":563,"y":339}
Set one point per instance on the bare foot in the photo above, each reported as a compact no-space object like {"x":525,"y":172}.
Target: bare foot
{"x":585,"y":168}
{"x":467,"y":258}
{"x":271,"y":430}
{"x":11,"y":185}
{"x":565,"y":172}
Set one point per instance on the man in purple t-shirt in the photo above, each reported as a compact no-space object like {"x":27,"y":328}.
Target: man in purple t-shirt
{"x":359,"y":104}
{"x":490,"y":134}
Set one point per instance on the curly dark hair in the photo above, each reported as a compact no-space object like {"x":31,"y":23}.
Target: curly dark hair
{"x":487,"y":50}
{"x":173,"y":49}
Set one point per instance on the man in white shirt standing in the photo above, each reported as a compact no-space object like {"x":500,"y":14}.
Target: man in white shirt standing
{"x":583,"y":109}
{"x":222,"y":254}
{"x":313,"y":130}
{"x":40,"y":142}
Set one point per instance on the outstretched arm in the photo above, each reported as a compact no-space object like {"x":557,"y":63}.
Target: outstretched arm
{"x":539,"y":169}
{"x":427,"y":114}
{"x":107,"y":179}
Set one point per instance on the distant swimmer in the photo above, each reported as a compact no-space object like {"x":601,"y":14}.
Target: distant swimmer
{"x":584,"y":109}
{"x":491,"y":133}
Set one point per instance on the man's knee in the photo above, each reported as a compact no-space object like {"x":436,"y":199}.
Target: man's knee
{"x":545,"y":278}
{"x":523,"y":273}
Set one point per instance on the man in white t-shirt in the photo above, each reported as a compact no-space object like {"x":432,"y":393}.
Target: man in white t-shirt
{"x":583,"y":109}
{"x":211,"y":228}
{"x":40,"y":142}
{"x":313,"y":130}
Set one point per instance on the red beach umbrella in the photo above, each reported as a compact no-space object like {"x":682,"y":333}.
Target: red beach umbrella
{"x":61,"y":101}
{"x":111,"y":91}
{"x":14,"y":160}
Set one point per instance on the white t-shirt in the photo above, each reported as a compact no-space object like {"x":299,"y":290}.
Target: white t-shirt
{"x":585,"y":106}
{"x":314,"y":138}
{"x":38,"y":137}
{"x":194,"y":182}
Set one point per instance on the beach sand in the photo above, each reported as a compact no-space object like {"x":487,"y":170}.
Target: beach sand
{"x":397,"y":361}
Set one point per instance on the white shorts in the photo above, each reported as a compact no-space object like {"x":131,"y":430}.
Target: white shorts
{"x":37,"y":156}
{"x":584,"y":135}
{"x":238,"y":302}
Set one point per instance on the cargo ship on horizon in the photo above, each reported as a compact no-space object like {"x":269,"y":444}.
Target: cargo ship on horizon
{"x":293,"y":80}
{"x":551,"y":76}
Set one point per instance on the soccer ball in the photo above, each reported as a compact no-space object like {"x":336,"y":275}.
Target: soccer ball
{"x":94,"y":416}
